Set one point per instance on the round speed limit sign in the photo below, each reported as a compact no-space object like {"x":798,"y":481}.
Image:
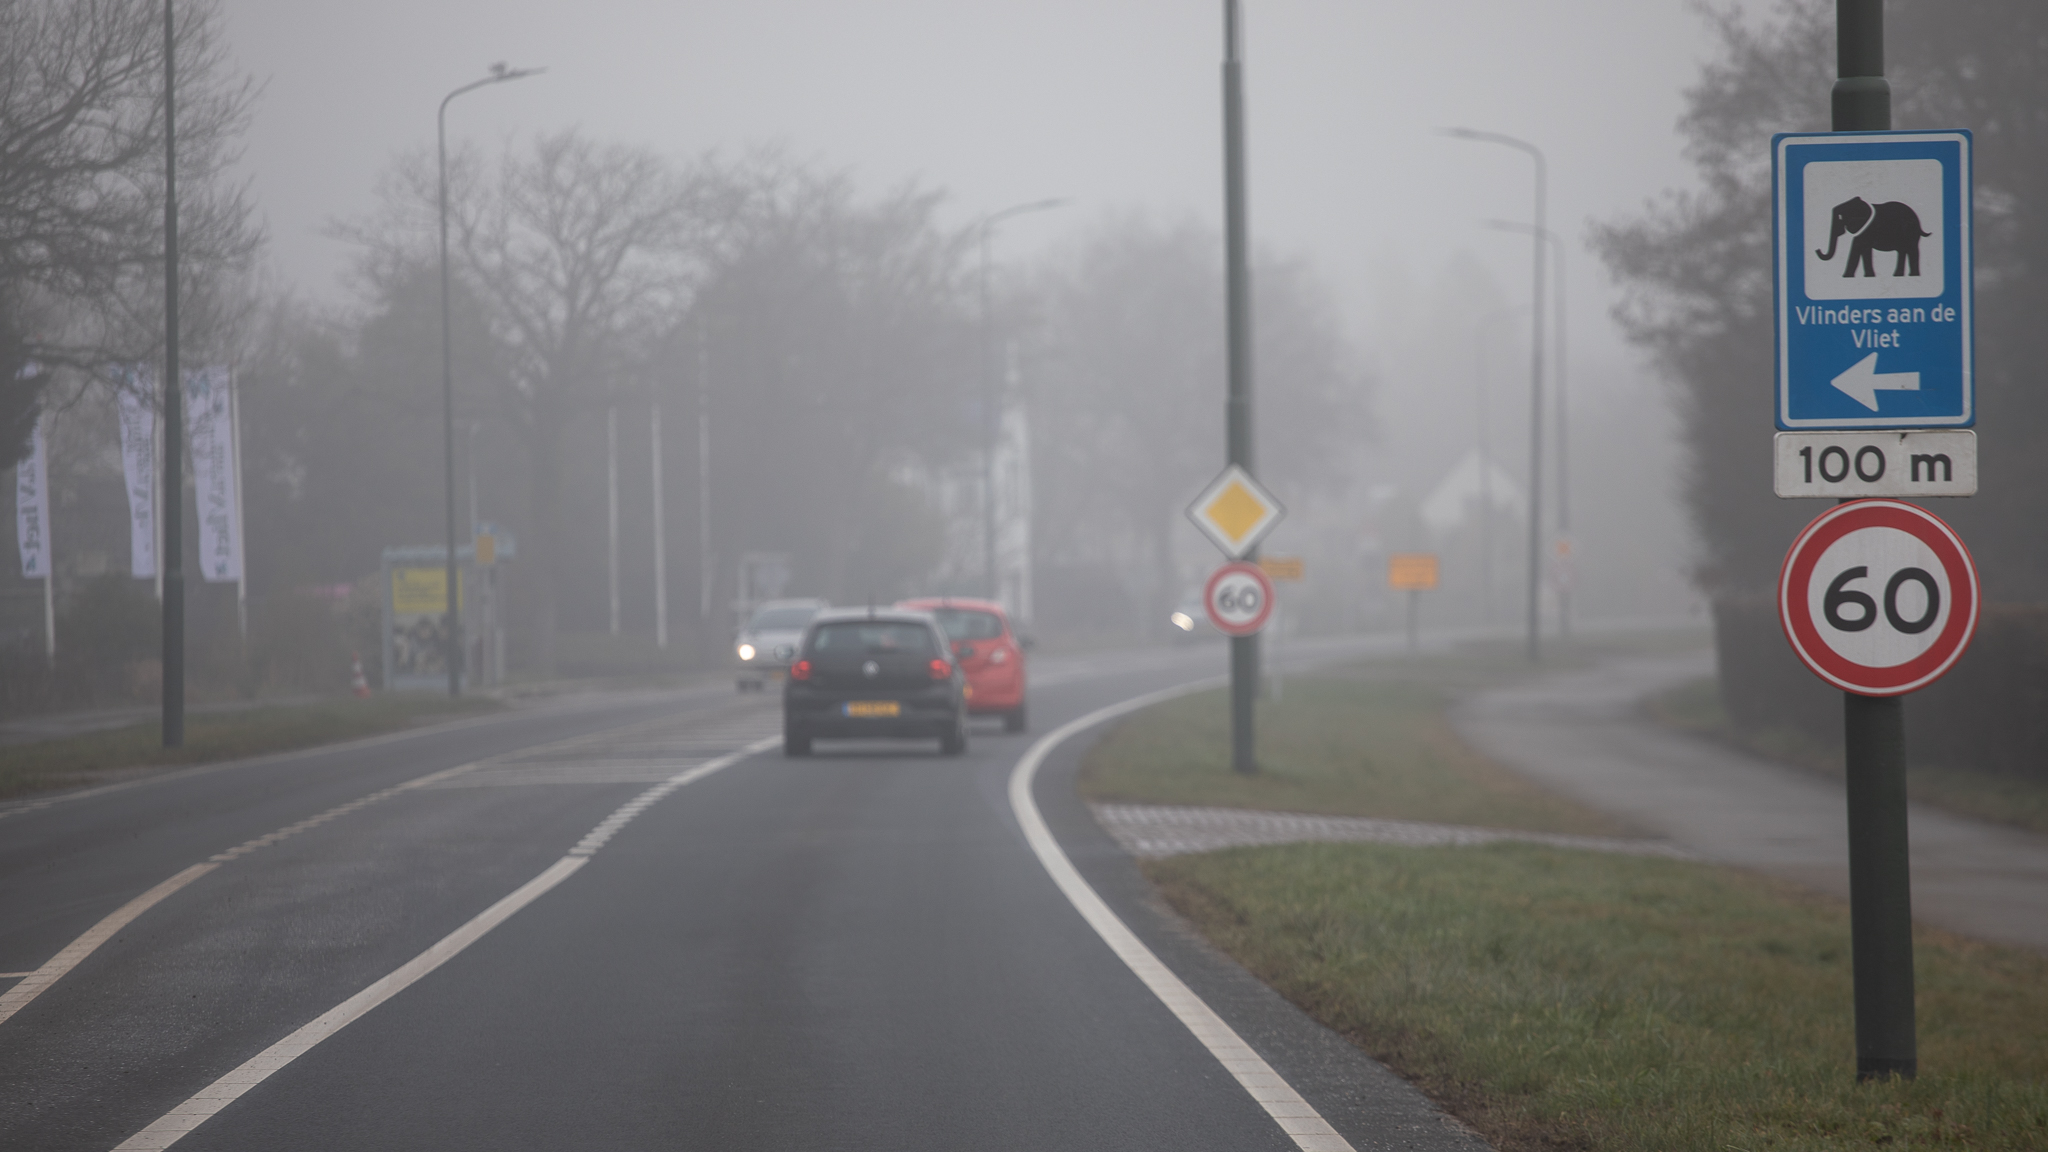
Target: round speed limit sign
{"x":1239,"y":599}
{"x":1878,"y":597}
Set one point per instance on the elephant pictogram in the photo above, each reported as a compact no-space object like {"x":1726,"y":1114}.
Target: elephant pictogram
{"x":1889,"y":227}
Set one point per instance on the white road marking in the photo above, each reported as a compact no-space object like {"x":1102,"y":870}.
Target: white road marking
{"x":1295,"y":1116}
{"x":32,"y":985}
{"x":173,"y":1125}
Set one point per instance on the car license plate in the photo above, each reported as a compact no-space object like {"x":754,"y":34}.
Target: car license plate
{"x":873,"y":708}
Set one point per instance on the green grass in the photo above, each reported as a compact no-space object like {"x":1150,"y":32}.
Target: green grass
{"x":98,"y":756}
{"x":1367,"y":740}
{"x":1559,"y":999}
{"x":1696,"y":707}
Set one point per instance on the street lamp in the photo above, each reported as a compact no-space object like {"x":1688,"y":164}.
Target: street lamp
{"x":1535,"y":375}
{"x":1561,"y":316}
{"x":988,"y":392}
{"x":453,"y":621}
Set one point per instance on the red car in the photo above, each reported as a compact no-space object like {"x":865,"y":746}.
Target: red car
{"x":988,"y":651}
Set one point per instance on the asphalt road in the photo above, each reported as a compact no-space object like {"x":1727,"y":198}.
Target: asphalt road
{"x":531,"y":950}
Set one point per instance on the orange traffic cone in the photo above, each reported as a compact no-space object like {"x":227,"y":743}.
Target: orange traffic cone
{"x":362,"y":682}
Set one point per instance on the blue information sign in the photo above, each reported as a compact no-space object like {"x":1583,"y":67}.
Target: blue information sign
{"x":1873,"y":275}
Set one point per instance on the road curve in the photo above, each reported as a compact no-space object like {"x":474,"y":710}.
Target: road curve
{"x":856,"y":950}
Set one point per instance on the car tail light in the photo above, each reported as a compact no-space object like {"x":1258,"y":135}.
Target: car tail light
{"x":941,"y":670}
{"x":801,"y":670}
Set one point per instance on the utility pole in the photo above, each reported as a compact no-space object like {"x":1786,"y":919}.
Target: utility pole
{"x":173,"y":560}
{"x":1237,"y":411}
{"x":660,"y":531}
{"x":454,"y":647}
{"x":1535,"y":560}
{"x":1880,"y":868}
{"x":705,"y":569}
{"x":991,"y":399}
{"x":611,"y":510}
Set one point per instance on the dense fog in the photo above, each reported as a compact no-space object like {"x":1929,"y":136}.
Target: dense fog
{"x":827,"y":272}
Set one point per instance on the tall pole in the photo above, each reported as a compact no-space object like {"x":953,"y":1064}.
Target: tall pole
{"x":660,"y":531}
{"x":241,"y":524}
{"x":1237,"y":411}
{"x":1560,"y":316}
{"x":611,"y":510}
{"x":1564,"y":488}
{"x":990,"y":419}
{"x":1535,"y":562}
{"x":705,"y":569}
{"x":1880,"y":864}
{"x":452,"y":621}
{"x":172,"y":563}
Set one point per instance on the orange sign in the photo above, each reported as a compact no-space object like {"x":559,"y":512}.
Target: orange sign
{"x":1412,"y":571}
{"x":1282,"y":567}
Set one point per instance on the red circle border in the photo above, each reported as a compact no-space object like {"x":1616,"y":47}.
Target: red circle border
{"x":1866,"y":680}
{"x":1265,"y":609}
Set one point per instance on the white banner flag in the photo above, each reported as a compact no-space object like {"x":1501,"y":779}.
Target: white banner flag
{"x":138,"y":468}
{"x":209,"y":424}
{"x":32,"y":509}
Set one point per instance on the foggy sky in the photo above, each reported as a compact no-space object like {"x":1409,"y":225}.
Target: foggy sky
{"x":1117,"y":106}
{"x":1113,"y":104}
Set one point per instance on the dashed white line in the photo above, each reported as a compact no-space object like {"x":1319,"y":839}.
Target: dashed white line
{"x":34,"y":984}
{"x":1295,"y":1116}
{"x":173,"y":1125}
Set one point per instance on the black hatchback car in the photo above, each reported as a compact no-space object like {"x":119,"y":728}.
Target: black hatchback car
{"x":874,"y":672}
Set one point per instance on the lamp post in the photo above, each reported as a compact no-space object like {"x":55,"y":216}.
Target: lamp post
{"x":452,"y":622}
{"x":1560,"y":317}
{"x":1535,"y":376}
{"x":990,"y":424}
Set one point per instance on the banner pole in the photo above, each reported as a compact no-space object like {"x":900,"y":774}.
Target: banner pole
{"x":241,"y":526}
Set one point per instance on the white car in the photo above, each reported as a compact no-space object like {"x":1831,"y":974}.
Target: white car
{"x":768,"y":641}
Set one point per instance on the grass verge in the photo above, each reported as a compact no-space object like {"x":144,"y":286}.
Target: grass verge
{"x":1369,"y":739}
{"x":95,"y":757}
{"x":1560,"y":999}
{"x":1695,"y":707}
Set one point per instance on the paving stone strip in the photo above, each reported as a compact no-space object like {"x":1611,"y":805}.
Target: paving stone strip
{"x":1155,"y":830}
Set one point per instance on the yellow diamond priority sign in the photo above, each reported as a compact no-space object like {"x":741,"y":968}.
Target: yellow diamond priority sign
{"x":1235,"y":512}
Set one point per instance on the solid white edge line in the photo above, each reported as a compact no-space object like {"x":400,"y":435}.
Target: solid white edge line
{"x":208,"y":1101}
{"x":1295,"y":1116}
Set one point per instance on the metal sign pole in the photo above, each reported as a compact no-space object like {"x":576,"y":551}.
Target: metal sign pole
{"x":1244,"y":650}
{"x":172,"y":562}
{"x":1880,"y":869}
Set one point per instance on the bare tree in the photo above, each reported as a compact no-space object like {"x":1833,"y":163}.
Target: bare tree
{"x":81,"y":182}
{"x":582,"y":254}
{"x":840,"y":341}
{"x":1130,"y":395}
{"x":1695,"y":265}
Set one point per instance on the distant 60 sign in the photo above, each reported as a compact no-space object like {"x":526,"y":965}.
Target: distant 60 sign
{"x":1878,"y":597}
{"x":1239,"y":599}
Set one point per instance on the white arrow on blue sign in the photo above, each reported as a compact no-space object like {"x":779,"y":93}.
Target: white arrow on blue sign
{"x":1873,"y":275}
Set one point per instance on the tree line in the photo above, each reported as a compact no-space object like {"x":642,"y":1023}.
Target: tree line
{"x":830,"y":339}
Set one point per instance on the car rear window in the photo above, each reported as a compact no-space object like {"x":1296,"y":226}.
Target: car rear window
{"x":780,"y":619}
{"x":870,"y":636}
{"x":969,"y":624}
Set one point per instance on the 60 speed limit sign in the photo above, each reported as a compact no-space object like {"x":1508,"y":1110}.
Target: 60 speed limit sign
{"x":1878,"y":597}
{"x":1239,"y":599}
